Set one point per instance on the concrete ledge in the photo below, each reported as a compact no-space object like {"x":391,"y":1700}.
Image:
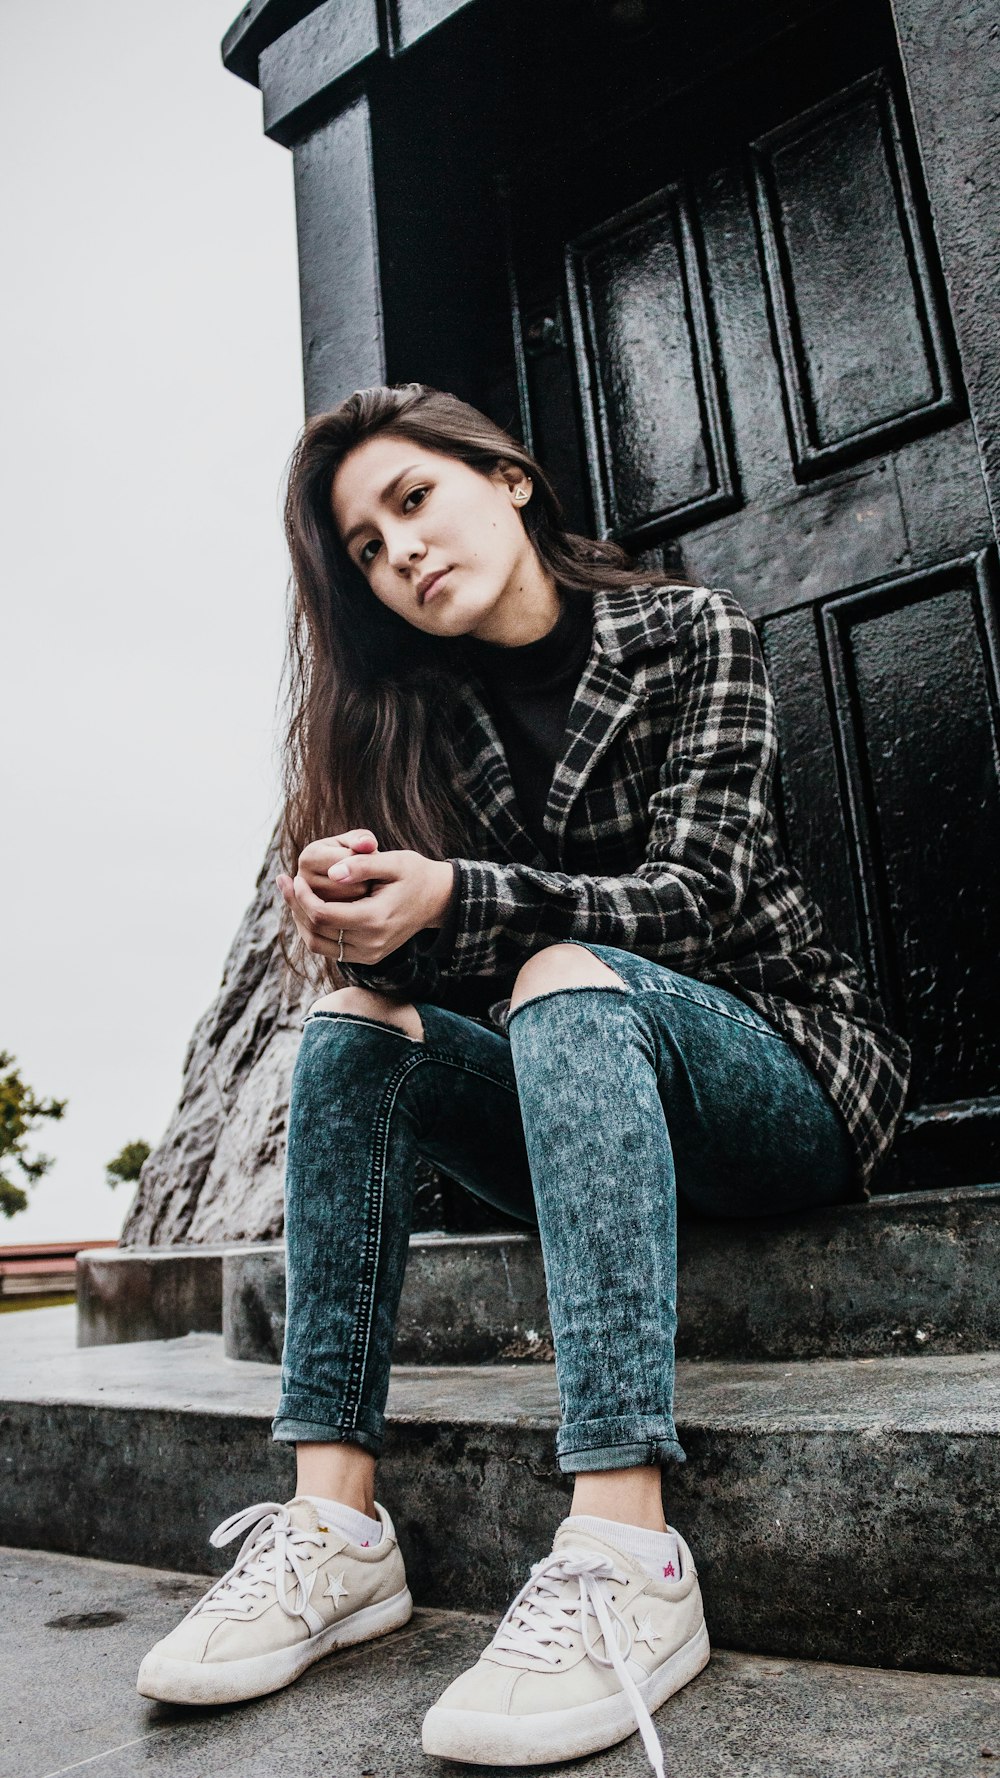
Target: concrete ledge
{"x":147,"y":1293}
{"x":466,"y":1299}
{"x":908,"y":1273}
{"x":902,"y":1273}
{"x":839,"y":1510}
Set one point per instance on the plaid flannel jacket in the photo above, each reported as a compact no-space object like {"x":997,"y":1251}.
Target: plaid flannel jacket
{"x":661,"y":817}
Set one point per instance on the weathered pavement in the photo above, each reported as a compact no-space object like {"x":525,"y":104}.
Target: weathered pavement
{"x":73,"y":1630}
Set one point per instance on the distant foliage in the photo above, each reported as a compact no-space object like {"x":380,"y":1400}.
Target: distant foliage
{"x":128,"y":1164}
{"x":20,"y":1111}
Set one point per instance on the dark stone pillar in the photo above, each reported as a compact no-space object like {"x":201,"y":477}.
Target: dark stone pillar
{"x":343,"y":345}
{"x":951,"y":59}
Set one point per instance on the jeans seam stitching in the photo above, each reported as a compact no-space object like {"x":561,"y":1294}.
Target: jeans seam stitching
{"x":762,"y":1027}
{"x":359,"y":1018}
{"x":646,"y":1444}
{"x":344,"y":1426}
{"x":432,"y":1055}
{"x":762,"y":1030}
{"x":365,"y":1312}
{"x":641,"y":1420}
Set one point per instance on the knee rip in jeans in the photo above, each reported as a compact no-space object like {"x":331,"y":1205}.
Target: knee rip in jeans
{"x":368,"y":1004}
{"x":561,"y":966}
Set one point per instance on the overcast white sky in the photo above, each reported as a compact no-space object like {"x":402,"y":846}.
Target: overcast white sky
{"x":151,"y":381}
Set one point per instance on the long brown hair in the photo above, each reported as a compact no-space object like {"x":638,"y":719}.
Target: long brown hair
{"x":369,"y":740}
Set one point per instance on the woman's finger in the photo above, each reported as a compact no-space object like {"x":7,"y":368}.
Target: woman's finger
{"x":334,"y":893}
{"x":328,"y":916}
{"x":319,"y":944}
{"x":318,"y":860}
{"x":366,"y":917}
{"x":369,"y":868}
{"x":301,"y":926}
{"x":325,"y":947}
{"x":320,"y":854}
{"x":360,"y":839}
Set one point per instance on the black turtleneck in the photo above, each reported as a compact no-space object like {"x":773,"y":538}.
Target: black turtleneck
{"x":528,"y":690}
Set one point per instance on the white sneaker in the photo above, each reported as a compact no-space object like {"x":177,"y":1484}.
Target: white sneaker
{"x":590,"y":1646}
{"x":297,"y":1589}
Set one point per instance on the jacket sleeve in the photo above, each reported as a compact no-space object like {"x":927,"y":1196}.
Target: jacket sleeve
{"x":706,"y":820}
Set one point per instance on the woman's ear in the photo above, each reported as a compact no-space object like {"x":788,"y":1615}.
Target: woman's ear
{"x":518,"y":481}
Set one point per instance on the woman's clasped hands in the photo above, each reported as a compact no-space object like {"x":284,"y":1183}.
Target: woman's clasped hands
{"x":379,"y":899}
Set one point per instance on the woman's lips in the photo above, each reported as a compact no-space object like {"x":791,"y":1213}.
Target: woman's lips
{"x":435,"y":583}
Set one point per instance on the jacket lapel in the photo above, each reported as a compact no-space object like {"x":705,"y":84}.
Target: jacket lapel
{"x":628,"y":621}
{"x":486,"y":786}
{"x":606,"y":698}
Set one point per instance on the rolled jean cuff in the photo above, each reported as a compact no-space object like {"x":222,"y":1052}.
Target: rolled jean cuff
{"x":368,"y":1431}
{"x":624,"y":1443}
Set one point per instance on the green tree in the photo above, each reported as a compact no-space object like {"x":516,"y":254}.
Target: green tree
{"x":19,"y":1112}
{"x":128,"y":1164}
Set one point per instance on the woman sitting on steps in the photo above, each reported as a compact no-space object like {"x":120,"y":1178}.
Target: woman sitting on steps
{"x":529,"y":830}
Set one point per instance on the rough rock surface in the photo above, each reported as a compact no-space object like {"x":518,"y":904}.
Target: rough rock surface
{"x":217,"y":1173}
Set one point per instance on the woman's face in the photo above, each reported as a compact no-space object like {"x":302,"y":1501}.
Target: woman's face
{"x":405,"y":513}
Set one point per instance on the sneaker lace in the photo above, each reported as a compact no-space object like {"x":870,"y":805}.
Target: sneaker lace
{"x":542,"y":1618}
{"x":271,"y":1551}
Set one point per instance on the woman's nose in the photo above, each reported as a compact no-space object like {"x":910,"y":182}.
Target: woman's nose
{"x":403,"y":549}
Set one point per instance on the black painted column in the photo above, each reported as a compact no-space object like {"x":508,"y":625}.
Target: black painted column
{"x":951,"y":57}
{"x":343,"y":344}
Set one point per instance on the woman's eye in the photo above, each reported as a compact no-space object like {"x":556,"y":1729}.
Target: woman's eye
{"x":364,"y":557}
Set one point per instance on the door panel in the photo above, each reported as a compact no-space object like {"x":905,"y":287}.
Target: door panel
{"x":915,"y":665}
{"x":812,"y":789}
{"x":860,"y":343}
{"x":736,"y":343}
{"x":640,"y":326}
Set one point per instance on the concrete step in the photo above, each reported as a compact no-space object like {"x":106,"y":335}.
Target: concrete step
{"x":838,"y":1509}
{"x":904,"y":1273}
{"x":74,"y":1632}
{"x":466,"y":1299}
{"x":148,"y":1293}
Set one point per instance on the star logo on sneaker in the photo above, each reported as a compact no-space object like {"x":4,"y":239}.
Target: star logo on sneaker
{"x":335,"y":1588}
{"x":670,"y":1572}
{"x":646,"y":1633}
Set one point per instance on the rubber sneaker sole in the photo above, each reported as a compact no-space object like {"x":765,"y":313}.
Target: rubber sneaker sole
{"x":483,"y":1738}
{"x":230,"y":1682}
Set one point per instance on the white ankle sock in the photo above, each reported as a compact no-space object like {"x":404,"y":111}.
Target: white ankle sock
{"x":357,"y":1526}
{"x":657,"y":1552}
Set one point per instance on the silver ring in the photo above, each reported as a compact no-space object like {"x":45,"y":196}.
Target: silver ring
{"x":340,"y":953}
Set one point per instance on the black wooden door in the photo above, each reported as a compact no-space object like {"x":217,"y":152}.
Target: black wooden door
{"x":735,"y":352}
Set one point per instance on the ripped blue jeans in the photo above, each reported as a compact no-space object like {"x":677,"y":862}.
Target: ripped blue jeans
{"x":586,"y":1120}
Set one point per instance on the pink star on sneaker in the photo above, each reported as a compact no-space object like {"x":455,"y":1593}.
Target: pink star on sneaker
{"x":669,"y":1572}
